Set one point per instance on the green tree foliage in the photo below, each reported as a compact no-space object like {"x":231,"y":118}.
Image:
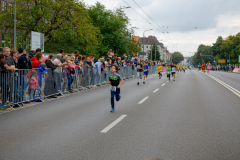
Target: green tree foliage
{"x":154,"y":46}
{"x":66,"y":25}
{"x":177,"y":57}
{"x":221,"y":49}
{"x":113,"y":27}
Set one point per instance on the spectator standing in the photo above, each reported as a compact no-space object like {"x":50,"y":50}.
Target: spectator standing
{"x":3,"y":81}
{"x":14,"y":55}
{"x":110,"y":53}
{"x":24,"y":61}
{"x":58,"y":71}
{"x":10,"y":65}
{"x":99,"y":72}
{"x":36,"y":61}
{"x":50,"y":85}
{"x":124,"y":56}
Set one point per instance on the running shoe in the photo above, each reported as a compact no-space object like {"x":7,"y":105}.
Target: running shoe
{"x":138,"y":83}
{"x":112,"y":110}
{"x":143,"y":82}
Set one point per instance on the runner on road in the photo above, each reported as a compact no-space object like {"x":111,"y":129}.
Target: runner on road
{"x":184,"y":68}
{"x":178,"y":68}
{"x":169,"y":70}
{"x":160,"y":67}
{"x":139,"y":68}
{"x":116,"y":81}
{"x":145,"y":72}
{"x":173,"y":71}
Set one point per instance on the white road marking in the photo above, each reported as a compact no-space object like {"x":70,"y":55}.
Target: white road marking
{"x":235,"y":91}
{"x":163,"y":84}
{"x":155,"y":90}
{"x":105,"y":130}
{"x":144,"y":99}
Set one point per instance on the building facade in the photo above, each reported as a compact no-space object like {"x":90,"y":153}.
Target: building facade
{"x":147,"y":43}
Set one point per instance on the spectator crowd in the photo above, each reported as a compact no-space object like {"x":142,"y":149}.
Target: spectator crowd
{"x":29,"y":76}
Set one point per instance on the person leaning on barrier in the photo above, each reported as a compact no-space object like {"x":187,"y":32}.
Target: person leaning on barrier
{"x":24,"y":61}
{"x":3,"y":79}
{"x":36,"y":61}
{"x":50,"y":85}
{"x":10,"y":65}
{"x":14,"y":55}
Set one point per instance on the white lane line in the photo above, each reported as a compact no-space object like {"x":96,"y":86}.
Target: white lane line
{"x":226,"y":85}
{"x":163,"y":84}
{"x":144,"y":99}
{"x":155,"y":90}
{"x":105,"y":130}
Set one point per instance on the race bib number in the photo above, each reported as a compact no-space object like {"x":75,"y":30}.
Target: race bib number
{"x":113,"y":88}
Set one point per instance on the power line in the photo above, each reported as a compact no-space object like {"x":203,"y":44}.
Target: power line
{"x":154,"y":22}
{"x":137,"y":12}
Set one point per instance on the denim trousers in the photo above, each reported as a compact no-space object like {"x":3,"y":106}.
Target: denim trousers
{"x":117,"y":94}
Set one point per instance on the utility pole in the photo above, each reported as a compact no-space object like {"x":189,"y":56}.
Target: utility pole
{"x":155,"y":52}
{"x":15,"y":37}
{"x":151,"y":51}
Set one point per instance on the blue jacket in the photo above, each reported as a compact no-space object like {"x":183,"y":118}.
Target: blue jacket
{"x":40,"y":70}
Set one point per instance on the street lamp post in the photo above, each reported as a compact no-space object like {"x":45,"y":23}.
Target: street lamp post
{"x":15,"y":46}
{"x":143,"y":38}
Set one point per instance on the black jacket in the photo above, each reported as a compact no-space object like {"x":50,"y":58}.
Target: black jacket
{"x":23,"y":63}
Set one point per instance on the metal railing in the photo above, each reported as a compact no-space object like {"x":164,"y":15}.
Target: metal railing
{"x":21,"y":86}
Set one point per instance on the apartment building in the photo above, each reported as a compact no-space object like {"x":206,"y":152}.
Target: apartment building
{"x":147,"y":43}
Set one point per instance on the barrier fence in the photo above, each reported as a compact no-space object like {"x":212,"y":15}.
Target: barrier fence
{"x":21,"y":86}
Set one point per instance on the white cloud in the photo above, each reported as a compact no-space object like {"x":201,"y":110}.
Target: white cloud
{"x":212,"y":17}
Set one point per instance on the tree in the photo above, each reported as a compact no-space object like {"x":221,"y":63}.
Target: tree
{"x":113,"y":27}
{"x":66,"y":25}
{"x":153,"y":47}
{"x":177,"y":57}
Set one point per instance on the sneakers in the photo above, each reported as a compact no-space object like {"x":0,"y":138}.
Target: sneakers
{"x":138,"y":83}
{"x":112,"y":110}
{"x":2,"y":106}
{"x":143,"y":82}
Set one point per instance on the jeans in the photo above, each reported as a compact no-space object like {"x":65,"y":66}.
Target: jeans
{"x":70,"y":80}
{"x":34,"y":91}
{"x":117,"y":93}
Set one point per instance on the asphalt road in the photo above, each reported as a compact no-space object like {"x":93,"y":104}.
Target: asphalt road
{"x":192,"y":118}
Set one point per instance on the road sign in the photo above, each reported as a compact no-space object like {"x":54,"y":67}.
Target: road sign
{"x":221,"y":61}
{"x":142,"y":53}
{"x":37,"y":40}
{"x":227,"y":61}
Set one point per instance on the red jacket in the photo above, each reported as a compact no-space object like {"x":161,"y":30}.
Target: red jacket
{"x":35,"y":62}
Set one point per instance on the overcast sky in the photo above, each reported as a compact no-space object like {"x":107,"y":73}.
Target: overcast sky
{"x":186,"y":23}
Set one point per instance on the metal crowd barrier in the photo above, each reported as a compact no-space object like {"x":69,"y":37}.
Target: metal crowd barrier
{"x":21,"y":86}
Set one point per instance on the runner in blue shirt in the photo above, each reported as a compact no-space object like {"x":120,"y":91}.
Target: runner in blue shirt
{"x":145,"y":71}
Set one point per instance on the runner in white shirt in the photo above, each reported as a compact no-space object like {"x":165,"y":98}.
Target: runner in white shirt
{"x":173,"y":71}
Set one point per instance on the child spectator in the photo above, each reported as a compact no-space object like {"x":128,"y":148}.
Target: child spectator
{"x":34,"y":85}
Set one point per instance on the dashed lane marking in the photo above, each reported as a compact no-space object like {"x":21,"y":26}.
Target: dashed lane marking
{"x":144,"y":99}
{"x":155,"y":90}
{"x":105,"y":130}
{"x":163,"y":84}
